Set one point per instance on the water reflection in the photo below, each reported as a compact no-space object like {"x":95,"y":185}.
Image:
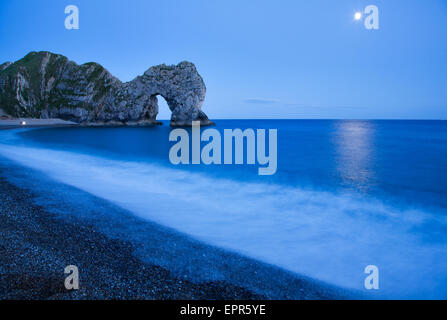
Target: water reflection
{"x":355,"y":153}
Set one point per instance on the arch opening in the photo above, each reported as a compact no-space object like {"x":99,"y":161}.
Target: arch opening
{"x":164,"y":112}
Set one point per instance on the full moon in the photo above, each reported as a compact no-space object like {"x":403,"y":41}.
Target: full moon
{"x":358,"y":16}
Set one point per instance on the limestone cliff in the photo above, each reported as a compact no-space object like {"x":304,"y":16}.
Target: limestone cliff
{"x":47,"y":85}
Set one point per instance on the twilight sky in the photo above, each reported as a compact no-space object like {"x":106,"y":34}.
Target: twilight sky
{"x":259,"y":59}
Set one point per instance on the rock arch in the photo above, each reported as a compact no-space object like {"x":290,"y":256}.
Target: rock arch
{"x":44,"y":84}
{"x":181,"y":86}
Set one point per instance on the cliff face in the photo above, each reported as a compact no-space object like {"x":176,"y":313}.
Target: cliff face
{"x":46,"y":85}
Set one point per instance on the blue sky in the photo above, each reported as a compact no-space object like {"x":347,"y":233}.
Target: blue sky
{"x":259,"y":59}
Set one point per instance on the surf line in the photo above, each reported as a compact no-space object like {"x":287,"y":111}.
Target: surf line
{"x":211,"y":153}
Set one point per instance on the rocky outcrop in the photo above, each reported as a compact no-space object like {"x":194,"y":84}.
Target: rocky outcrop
{"x":46,"y":85}
{"x":5,"y":65}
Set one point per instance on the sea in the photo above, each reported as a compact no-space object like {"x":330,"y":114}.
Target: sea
{"x":347,"y":194}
